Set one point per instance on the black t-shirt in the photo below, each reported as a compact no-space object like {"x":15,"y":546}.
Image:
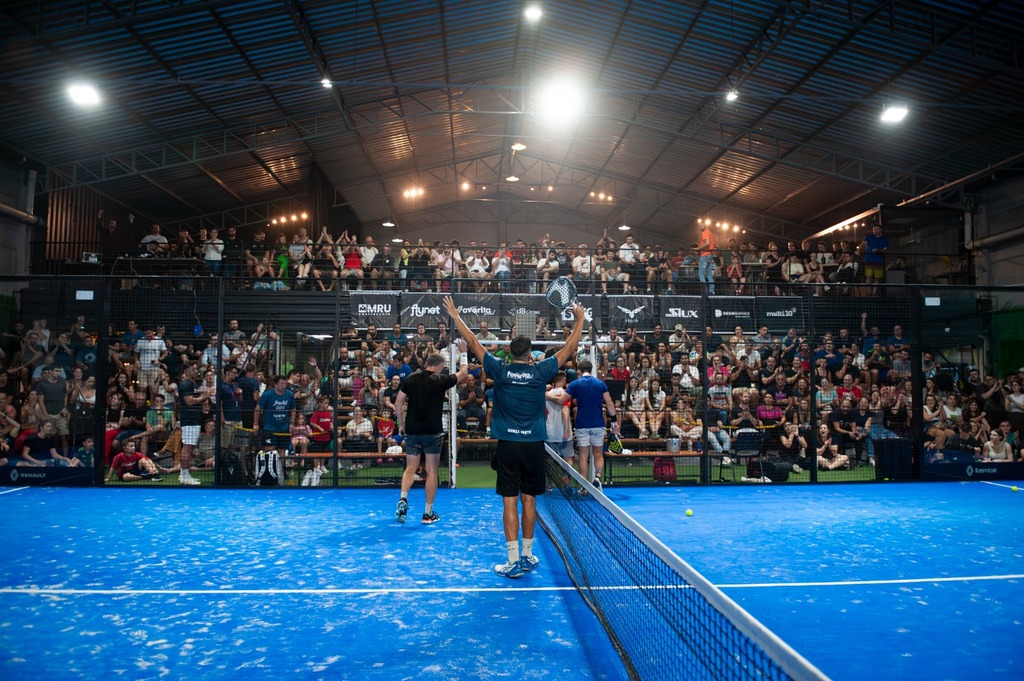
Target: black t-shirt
{"x":234,"y":249}
{"x":425,"y":393}
{"x":189,"y":415}
{"x":39,"y":447}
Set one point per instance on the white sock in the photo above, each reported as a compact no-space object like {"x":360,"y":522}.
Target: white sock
{"x":513,"y":551}
{"x":427,"y":509}
{"x":527,"y":546}
{"x":185,"y":475}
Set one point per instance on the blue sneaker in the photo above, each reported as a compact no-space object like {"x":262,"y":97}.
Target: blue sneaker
{"x":529,"y":563}
{"x":510,"y":570}
{"x":401,"y":510}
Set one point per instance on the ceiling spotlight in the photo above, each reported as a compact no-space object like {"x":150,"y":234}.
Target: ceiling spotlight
{"x":511,"y":178}
{"x":396,"y":240}
{"x":83,"y":94}
{"x":894,"y":113}
{"x":304,"y":216}
{"x":518,"y":146}
{"x":732,"y":95}
{"x":326,"y":82}
{"x":551,"y":188}
{"x":465,"y":186}
{"x":388,"y":223}
{"x":533,"y":13}
{"x":623,"y":228}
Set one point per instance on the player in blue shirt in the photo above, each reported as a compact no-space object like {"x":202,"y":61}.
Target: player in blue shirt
{"x":518,"y":423}
{"x":592,"y":400}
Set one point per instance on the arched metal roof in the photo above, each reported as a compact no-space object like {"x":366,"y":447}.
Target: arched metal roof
{"x":210,"y":105}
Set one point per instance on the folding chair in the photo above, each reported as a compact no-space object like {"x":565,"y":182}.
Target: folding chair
{"x":746,"y":445}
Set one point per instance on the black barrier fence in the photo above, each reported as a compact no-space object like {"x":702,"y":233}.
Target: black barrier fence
{"x":721,"y":381}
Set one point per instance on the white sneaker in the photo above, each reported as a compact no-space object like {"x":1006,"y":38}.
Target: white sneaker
{"x":726,"y":461}
{"x":797,"y":469}
{"x":188,"y":481}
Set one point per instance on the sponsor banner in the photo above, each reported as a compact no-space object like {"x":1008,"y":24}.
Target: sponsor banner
{"x":373,"y":307}
{"x":513,"y":304}
{"x":421,"y":307}
{"x":780,"y":313}
{"x":728,"y":312}
{"x":685,"y":310}
{"x":30,"y":476}
{"x":978,"y":470}
{"x":473,"y":308}
{"x":637,"y":311}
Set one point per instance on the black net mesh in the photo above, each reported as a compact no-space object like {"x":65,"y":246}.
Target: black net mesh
{"x":665,"y":620}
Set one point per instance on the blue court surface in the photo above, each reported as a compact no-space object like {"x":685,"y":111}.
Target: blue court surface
{"x":894,"y":581}
{"x":866,"y":581}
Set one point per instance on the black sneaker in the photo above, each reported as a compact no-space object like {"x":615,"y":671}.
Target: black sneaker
{"x":430,"y":518}
{"x":401,"y":510}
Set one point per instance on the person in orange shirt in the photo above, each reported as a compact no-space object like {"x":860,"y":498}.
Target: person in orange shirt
{"x":706,"y":267}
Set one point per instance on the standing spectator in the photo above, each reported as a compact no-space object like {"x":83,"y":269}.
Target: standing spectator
{"x":519,"y":425}
{"x":151,"y":352}
{"x":213,"y":253}
{"x":419,"y":413}
{"x":233,"y":254}
{"x":191,"y":400}
{"x":275,"y":413}
{"x":592,"y":402}
{"x":559,"y":428}
{"x":706,"y":250}
{"x":874,"y":248}
{"x":53,"y":393}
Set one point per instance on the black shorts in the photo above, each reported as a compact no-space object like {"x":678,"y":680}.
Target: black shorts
{"x":275,"y":440}
{"x":520,"y":467}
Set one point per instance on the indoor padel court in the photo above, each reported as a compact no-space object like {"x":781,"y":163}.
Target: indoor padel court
{"x":881,"y":581}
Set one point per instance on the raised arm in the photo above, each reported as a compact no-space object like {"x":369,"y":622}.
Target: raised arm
{"x":569,"y":349}
{"x":473,"y":343}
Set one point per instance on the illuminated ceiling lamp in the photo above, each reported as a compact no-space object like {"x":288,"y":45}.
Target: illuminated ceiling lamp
{"x":518,"y":146}
{"x":83,"y":94}
{"x":388,"y":223}
{"x":533,"y":13}
{"x":732,"y":95}
{"x":894,"y":113}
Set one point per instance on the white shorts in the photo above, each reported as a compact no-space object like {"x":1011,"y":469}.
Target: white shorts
{"x":563,"y":449}
{"x":590,"y":437}
{"x":190,"y":435}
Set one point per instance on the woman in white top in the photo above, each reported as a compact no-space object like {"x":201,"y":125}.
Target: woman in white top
{"x":996,"y":449}
{"x":634,"y":400}
{"x":655,"y":407}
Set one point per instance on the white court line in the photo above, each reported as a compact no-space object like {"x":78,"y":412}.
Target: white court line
{"x":31,"y":591}
{"x":996,"y":484}
{"x":13,"y":489}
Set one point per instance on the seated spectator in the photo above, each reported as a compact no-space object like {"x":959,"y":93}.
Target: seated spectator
{"x":154,"y":243}
{"x":997,"y":449}
{"x":132,"y":466}
{"x":325,"y":266}
{"x":387,"y":431}
{"x":41,"y":449}
{"x":828,"y":454}
{"x":85,"y":454}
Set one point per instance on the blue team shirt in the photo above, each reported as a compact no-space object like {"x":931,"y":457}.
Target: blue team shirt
{"x":277,"y":410}
{"x":588,"y":392}
{"x":519,"y":408}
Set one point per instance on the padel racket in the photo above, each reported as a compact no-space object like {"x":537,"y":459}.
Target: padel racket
{"x":562,"y":294}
